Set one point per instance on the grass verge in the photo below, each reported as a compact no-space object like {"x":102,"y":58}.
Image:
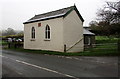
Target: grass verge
{"x":88,"y":52}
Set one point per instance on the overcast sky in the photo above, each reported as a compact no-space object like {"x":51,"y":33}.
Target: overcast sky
{"x":14,"y":12}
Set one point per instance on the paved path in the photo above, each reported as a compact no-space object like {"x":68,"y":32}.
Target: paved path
{"x":39,"y":65}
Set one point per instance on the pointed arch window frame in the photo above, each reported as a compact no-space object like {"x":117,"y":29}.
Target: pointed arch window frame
{"x":33,"y":33}
{"x":47,"y":32}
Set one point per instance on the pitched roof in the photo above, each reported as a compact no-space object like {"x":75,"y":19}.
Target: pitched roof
{"x":54,"y":14}
{"x":87,"y":32}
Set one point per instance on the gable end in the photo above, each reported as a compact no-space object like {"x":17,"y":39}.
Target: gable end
{"x":74,"y":8}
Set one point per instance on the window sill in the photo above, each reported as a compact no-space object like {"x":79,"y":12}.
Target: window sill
{"x":46,"y":39}
{"x":32,"y":39}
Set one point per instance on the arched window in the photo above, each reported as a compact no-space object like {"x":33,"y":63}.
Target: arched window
{"x":47,"y":32}
{"x":33,"y":33}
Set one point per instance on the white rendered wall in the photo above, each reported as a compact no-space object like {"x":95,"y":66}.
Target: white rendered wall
{"x":73,"y":32}
{"x":56,"y":41}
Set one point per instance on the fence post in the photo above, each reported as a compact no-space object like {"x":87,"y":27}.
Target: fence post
{"x":118,"y":44}
{"x":15,"y":46}
{"x":8,"y":45}
{"x":64,"y":47}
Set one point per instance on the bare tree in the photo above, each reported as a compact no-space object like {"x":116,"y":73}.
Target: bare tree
{"x":110,"y":13}
{"x":109,"y":19}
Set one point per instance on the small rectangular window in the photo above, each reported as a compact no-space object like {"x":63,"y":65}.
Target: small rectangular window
{"x":39,"y":24}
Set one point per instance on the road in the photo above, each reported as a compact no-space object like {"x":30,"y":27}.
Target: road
{"x":21,"y":64}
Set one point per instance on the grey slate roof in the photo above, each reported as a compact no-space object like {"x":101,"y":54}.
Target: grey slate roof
{"x":53,"y":14}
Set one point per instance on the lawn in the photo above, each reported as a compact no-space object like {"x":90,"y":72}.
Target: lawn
{"x":3,"y":42}
{"x":103,"y":50}
{"x":104,"y":47}
{"x":105,"y":39}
